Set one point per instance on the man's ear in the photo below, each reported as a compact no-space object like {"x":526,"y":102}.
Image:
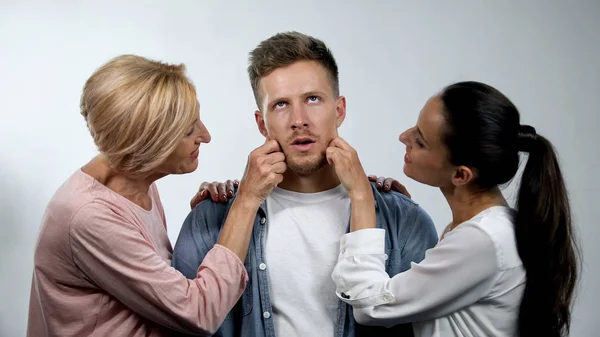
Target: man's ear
{"x":260,"y":122}
{"x":462,"y":176}
{"x":340,"y":110}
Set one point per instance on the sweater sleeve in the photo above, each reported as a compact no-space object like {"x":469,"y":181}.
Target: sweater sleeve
{"x":113,"y":254}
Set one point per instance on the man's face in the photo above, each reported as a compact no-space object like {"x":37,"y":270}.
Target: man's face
{"x":300,"y":111}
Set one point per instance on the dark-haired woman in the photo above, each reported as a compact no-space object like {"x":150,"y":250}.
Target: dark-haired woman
{"x":497,"y":271}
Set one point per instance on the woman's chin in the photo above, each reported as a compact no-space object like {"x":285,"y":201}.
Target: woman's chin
{"x":187,"y":168}
{"x":406,"y":170}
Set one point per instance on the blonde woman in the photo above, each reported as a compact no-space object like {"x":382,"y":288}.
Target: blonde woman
{"x":102,"y":262}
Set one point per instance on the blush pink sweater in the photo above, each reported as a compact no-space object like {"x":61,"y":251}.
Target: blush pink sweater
{"x":102,"y":267}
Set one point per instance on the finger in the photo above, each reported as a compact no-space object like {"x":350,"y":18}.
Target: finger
{"x":372,"y":178}
{"x":343,"y":148}
{"x":337,"y":152}
{"x":279,"y":168}
{"x":222,"y":192}
{"x":275,"y":157}
{"x":203,"y":186}
{"x":380,"y":182}
{"x":387,"y":184}
{"x":279,"y":179}
{"x":400,"y":188}
{"x":229,"y":188}
{"x":212,"y":189}
{"x":342,"y":144}
{"x":236,"y":183}
{"x":330,"y":152}
{"x":200,"y":195}
{"x":335,"y":156}
{"x":269,"y":146}
{"x":275,"y":178}
{"x":197,"y":198}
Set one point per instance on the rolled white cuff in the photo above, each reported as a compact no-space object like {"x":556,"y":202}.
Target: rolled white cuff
{"x":370,"y":241}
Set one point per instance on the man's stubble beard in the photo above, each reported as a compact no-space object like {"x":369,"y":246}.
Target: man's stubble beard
{"x":304,"y":165}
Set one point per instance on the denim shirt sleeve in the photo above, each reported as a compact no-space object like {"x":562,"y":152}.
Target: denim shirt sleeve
{"x":198,"y":234}
{"x":422,"y":237}
{"x":410,"y":231}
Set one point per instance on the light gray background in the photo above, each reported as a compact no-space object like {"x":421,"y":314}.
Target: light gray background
{"x":392,"y":56}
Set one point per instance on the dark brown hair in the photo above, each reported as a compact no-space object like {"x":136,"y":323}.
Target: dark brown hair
{"x":483,"y":131}
{"x":284,"y":49}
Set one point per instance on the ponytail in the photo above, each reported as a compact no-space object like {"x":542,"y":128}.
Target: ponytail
{"x":482,"y":130}
{"x":545,"y":241}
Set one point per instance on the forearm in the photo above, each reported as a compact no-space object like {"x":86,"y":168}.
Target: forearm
{"x":237,"y":229}
{"x":117,"y":258}
{"x":456,"y":273}
{"x":363,"y":211}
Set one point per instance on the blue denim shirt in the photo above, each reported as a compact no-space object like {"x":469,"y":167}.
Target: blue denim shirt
{"x":409,"y":233}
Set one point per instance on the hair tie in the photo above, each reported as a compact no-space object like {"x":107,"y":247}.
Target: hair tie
{"x":527,"y":138}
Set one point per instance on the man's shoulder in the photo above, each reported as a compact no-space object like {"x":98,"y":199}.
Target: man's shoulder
{"x":208,"y":205}
{"x":401,"y":215}
{"x":208,"y":213}
{"x":409,"y":229}
{"x":198,"y":234}
{"x":394,"y":199}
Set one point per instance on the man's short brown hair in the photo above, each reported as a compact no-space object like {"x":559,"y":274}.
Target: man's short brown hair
{"x":284,"y":49}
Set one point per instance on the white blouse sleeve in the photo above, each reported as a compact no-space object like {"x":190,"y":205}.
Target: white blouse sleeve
{"x":457,"y":272}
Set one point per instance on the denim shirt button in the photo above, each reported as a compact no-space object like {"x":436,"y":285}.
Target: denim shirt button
{"x":266,"y":314}
{"x":262,"y":266}
{"x":262,"y":221}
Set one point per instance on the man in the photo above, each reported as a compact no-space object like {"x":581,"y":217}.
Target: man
{"x":297,"y":231}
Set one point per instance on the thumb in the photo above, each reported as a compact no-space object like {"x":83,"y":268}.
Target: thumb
{"x":330,"y":155}
{"x":269,"y":139}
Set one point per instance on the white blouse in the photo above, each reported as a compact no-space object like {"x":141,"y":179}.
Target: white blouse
{"x":470,"y":284}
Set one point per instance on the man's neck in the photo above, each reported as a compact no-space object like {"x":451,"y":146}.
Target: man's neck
{"x":321,"y":180}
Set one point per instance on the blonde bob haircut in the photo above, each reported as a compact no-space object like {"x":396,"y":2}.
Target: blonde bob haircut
{"x":137,"y":111}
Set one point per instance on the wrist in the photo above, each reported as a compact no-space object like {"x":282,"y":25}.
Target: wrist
{"x":247,"y":201}
{"x":364,"y":193}
{"x":362,"y":196}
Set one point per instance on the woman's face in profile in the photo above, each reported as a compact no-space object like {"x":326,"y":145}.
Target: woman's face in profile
{"x":185,"y":157}
{"x":426,"y":158}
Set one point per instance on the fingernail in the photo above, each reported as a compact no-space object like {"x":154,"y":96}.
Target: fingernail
{"x":202,"y":193}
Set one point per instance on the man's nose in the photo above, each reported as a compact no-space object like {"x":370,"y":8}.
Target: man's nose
{"x":299,"y":118}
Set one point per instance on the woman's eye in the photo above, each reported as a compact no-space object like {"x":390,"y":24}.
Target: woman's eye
{"x":419,"y":142}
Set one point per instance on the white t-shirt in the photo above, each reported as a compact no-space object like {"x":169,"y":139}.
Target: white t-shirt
{"x":469,"y":285}
{"x":302,"y":242}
